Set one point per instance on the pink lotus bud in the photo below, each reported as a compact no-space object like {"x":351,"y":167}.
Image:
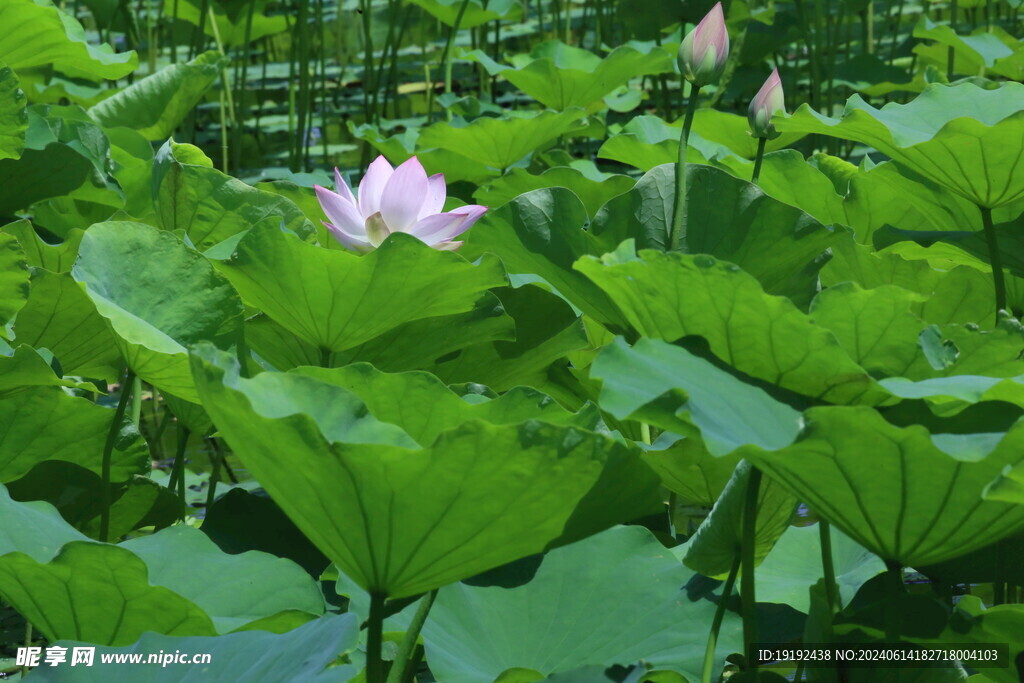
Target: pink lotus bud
{"x":768,"y":101}
{"x":705,"y":49}
{"x":391,"y":200}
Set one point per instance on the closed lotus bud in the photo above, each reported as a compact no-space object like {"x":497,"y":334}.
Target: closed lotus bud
{"x":768,"y":101}
{"x":704,"y":51}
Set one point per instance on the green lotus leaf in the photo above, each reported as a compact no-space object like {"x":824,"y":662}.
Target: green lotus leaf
{"x":476,"y":12}
{"x":688,"y":469}
{"x":728,"y":218}
{"x":547,"y":329}
{"x":132,"y":156}
{"x":337,"y":300}
{"x":715,"y":547}
{"x":402,"y":146}
{"x":953,"y":135}
{"x":210,"y":206}
{"x":670,"y":295}
{"x":157,"y":297}
{"x":1008,"y":486}
{"x":61,"y":318}
{"x":649,"y":141}
{"x":45,"y":423}
{"x":974,"y":624}
{"x":230,"y":19}
{"x":500,"y":143}
{"x":388,"y":397}
{"x":57,"y":258}
{"x":414,"y":345}
{"x":593,"y":193}
{"x":794,"y":566}
{"x":96,"y":593}
{"x":973,"y":54}
{"x":477,"y":633}
{"x":400,"y":520}
{"x":34,"y":528}
{"x":672,"y":389}
{"x":13,"y":119}
{"x":155,"y":105}
{"x":37,"y":33}
{"x":178,"y":554}
{"x":561,"y":76}
{"x":14,"y":280}
{"x":905,"y":494}
{"x":298,"y":656}
{"x":66,"y":156}
{"x":26,"y":367}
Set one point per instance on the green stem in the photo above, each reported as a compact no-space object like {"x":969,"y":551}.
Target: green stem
{"x":951,"y":54}
{"x":404,"y":658}
{"x":994,"y":258}
{"x":828,"y":567}
{"x":177,"y":478}
{"x":747,"y":592}
{"x":301,"y":132}
{"x":137,"y":400}
{"x":894,"y":588}
{"x":216,"y":460}
{"x":446,"y":56}
{"x":677,"y":235}
{"x":761,"y":142}
{"x":108,"y":449}
{"x":999,"y":583}
{"x":374,"y":638}
{"x":716,"y":624}
{"x":242,"y":83}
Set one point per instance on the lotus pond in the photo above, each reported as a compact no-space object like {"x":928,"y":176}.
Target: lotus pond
{"x":478,"y":341}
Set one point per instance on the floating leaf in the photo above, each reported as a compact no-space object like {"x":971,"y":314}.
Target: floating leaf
{"x":476,"y":12}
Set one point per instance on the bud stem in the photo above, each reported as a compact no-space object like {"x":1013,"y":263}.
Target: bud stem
{"x":761,"y":142}
{"x":994,"y":258}
{"x":678,"y":230}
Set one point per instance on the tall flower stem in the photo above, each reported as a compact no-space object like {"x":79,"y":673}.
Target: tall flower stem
{"x":716,"y":624}
{"x":827,"y":565}
{"x":761,"y":142}
{"x":894,"y":589}
{"x":108,"y":449}
{"x":994,"y":258}
{"x":678,"y":232}
{"x":177,"y":478}
{"x":374,"y":639}
{"x":404,"y":657}
{"x":446,"y":56}
{"x":747,"y":592}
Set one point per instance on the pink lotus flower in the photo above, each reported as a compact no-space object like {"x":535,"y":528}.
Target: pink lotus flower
{"x":391,"y":200}
{"x":768,"y":100}
{"x":705,"y":49}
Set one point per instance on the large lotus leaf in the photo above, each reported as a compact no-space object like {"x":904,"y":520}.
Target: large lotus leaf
{"x":336,"y":300}
{"x":24,"y":367}
{"x":210,"y":206}
{"x":561,"y":76}
{"x":45,"y":423}
{"x":728,"y":218}
{"x":715,"y":547}
{"x":132,"y":155}
{"x":414,"y":345}
{"x":157,"y":296}
{"x":66,"y":153}
{"x":178,"y":554}
{"x":14,"y":279}
{"x":299,"y":656}
{"x":671,"y":295}
{"x":541,"y":233}
{"x":155,"y":105}
{"x":501,"y":142}
{"x":37,"y":33}
{"x":671,"y":388}
{"x":972,"y":53}
{"x":954,"y":135}
{"x":975,"y":625}
{"x":34,"y":528}
{"x":1008,"y":486}
{"x":13,"y":119}
{"x":231,"y":23}
{"x":904,"y":493}
{"x":733,"y":131}
{"x":557,"y":622}
{"x":96,"y":593}
{"x":57,"y":258}
{"x":688,"y":469}
{"x":593,"y":193}
{"x":402,"y":146}
{"x":794,"y":567}
{"x":400,"y":520}
{"x":61,"y":318}
{"x":393,"y":397}
{"x":648,"y":141}
{"x":476,"y":12}
{"x":547,"y":329}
